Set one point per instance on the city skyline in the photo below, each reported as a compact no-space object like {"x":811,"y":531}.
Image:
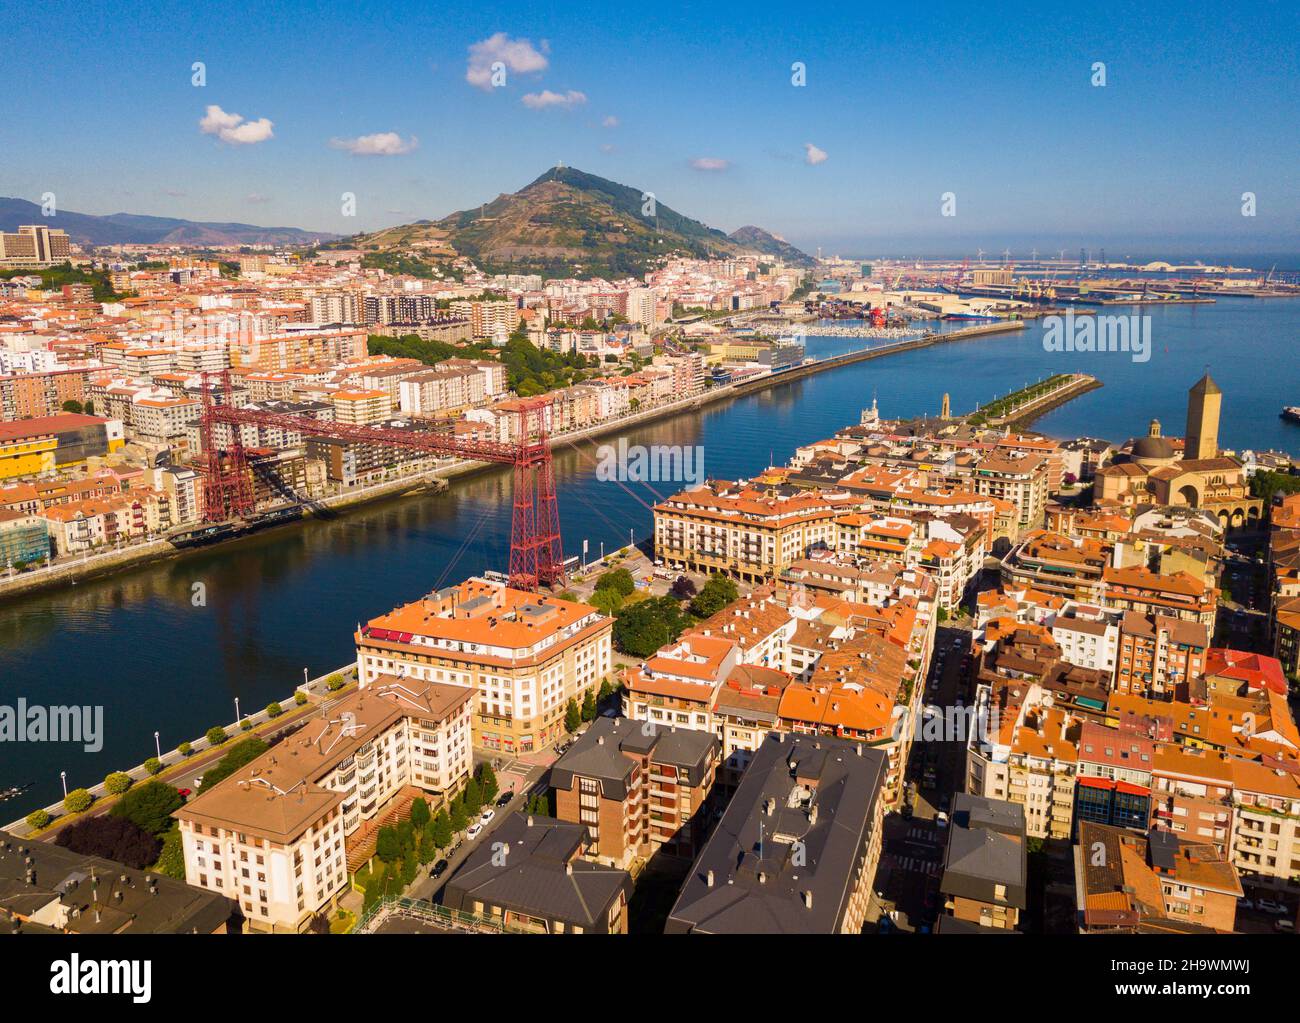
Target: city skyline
{"x":893,"y":114}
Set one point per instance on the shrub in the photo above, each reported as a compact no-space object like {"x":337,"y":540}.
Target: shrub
{"x":300,"y":698}
{"x":171,"y":861}
{"x":184,"y":749}
{"x":217,"y":735}
{"x":334,"y":683}
{"x":246,"y":725}
{"x":153,"y":765}
{"x":38,"y":819}
{"x":150,"y":806}
{"x":117,"y":782}
{"x":114,"y":838}
{"x":77,"y":800}
{"x":274,"y":710}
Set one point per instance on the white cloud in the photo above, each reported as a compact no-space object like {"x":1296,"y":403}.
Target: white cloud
{"x":382,"y":143}
{"x":257,"y":198}
{"x":232,"y":128}
{"x":607,"y":149}
{"x":547,"y":98}
{"x":812,"y":155}
{"x":609,"y":122}
{"x":518,"y":55}
{"x":710,"y":163}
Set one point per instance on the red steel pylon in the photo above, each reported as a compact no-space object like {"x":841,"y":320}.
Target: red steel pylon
{"x":227,"y":482}
{"x":536,"y":553}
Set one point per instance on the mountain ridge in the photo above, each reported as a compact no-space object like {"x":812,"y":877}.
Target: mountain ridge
{"x":568,"y":219}
{"x":145,"y":229}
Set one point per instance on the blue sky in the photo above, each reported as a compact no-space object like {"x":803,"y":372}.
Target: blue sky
{"x":992,"y":102}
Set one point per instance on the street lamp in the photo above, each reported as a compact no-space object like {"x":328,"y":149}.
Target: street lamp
{"x":63,"y":777}
{"x":237,"y":717}
{"x":157,"y":748}
{"x":305,"y":679}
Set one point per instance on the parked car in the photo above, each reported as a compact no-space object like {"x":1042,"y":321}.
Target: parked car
{"x":1270,"y":906}
{"x":1285,"y":926}
{"x":505,"y":797}
{"x":439,"y":869}
{"x":486,"y":816}
{"x":473,"y":831}
{"x":941,"y":819}
{"x":183,"y":793}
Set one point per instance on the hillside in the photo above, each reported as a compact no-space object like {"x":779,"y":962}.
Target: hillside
{"x":566,"y":221}
{"x":137,"y":229}
{"x":755,"y":239}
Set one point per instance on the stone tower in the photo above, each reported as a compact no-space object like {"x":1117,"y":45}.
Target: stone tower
{"x":946,"y":413}
{"x":1204,"y":402}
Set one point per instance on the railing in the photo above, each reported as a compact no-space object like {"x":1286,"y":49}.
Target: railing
{"x":428,"y":912}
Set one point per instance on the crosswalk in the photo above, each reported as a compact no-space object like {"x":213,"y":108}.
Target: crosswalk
{"x":914,"y":864}
{"x":920,"y":834}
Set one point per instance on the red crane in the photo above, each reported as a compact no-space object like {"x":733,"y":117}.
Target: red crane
{"x":536,"y":554}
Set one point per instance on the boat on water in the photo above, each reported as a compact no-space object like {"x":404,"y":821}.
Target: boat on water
{"x":970,"y":316}
{"x":201,"y":536}
{"x":1292,"y":413}
{"x":13,"y":792}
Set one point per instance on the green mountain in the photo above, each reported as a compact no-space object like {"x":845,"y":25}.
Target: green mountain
{"x":566,"y":222}
{"x":755,"y":239}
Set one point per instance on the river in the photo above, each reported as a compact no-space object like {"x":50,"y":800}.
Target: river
{"x":288,"y":599}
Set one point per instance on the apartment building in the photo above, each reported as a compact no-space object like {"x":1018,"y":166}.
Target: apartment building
{"x":1026,"y":752}
{"x":1160,"y":882}
{"x":524,"y":656}
{"x":274,"y":835}
{"x":34,"y":245}
{"x":361,"y":406}
{"x":535,"y":877}
{"x":1159,"y":656}
{"x":986,"y":865}
{"x":640,"y":789}
{"x":1020,"y":477}
{"x":743,"y":530}
{"x":1266,"y":824}
{"x":796,"y":850}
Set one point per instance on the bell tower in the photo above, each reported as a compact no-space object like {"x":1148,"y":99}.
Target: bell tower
{"x":1204,"y":403}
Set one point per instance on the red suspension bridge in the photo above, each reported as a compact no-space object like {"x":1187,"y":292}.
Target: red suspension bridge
{"x":536,"y":554}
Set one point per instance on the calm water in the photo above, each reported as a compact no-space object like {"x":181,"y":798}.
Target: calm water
{"x":289,"y":599}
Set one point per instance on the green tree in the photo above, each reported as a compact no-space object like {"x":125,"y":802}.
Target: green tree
{"x":716,"y":594}
{"x":441,"y":830}
{"x":405,"y":836}
{"x":185,"y":749}
{"x":618,"y":579}
{"x":428,"y":851}
{"x":153,"y":765}
{"x":459,"y":818}
{"x":171,"y":861}
{"x":216,"y":735}
{"x":335,"y":682}
{"x":589,"y":706}
{"x":607,"y":601}
{"x":473,"y":797}
{"x":606,"y":690}
{"x":245,"y":751}
{"x":77,"y":801}
{"x":419,"y":812}
{"x":572,"y":717}
{"x":274,"y":710}
{"x":71,"y":405}
{"x":117,"y":782}
{"x":150,"y":806}
{"x":38,"y":819}
{"x":300,"y":698}
{"x":487,"y":780}
{"x":387,"y":847}
{"x":642,"y":628}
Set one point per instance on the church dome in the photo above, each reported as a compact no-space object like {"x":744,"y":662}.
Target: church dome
{"x":1152,"y":449}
